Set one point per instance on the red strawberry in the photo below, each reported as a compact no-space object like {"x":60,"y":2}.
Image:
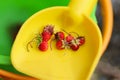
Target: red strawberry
{"x":47,"y":32}
{"x":74,"y":47}
{"x":60,"y":44}
{"x":46,"y":36}
{"x":43,"y":46}
{"x":59,"y":36}
{"x":81,"y":40}
{"x":69,"y":38}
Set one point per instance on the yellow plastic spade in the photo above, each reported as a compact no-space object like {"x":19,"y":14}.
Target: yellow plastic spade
{"x":59,"y":64}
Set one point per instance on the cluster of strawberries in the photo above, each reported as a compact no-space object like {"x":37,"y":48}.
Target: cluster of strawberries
{"x":62,"y":42}
{"x":69,"y":41}
{"x":45,"y":35}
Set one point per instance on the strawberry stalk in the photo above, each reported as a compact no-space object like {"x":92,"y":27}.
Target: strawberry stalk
{"x":34,"y":39}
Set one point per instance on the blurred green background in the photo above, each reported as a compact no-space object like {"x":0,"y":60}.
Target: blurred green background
{"x":13,"y":13}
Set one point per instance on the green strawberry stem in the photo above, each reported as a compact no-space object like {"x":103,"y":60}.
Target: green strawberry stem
{"x":69,"y":33}
{"x":51,"y":42}
{"x":66,"y":32}
{"x":75,"y":33}
{"x":38,"y":38}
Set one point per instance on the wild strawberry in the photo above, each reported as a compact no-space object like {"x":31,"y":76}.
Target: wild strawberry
{"x":59,"y":36}
{"x":74,"y":47}
{"x":43,"y":46}
{"x":60,"y":44}
{"x":69,"y":38}
{"x":81,"y":40}
{"x":47,"y":32}
{"x":46,"y":36}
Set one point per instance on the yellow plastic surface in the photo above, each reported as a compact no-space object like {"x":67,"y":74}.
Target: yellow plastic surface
{"x":55,"y":64}
{"x":79,"y":7}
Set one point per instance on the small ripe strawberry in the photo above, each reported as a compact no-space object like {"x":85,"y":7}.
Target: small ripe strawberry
{"x":74,"y":47}
{"x":81,"y":40}
{"x":43,"y":46}
{"x":47,"y":32}
{"x":46,"y":36}
{"x":60,"y":44}
{"x":69,"y":38}
{"x":59,"y":35}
